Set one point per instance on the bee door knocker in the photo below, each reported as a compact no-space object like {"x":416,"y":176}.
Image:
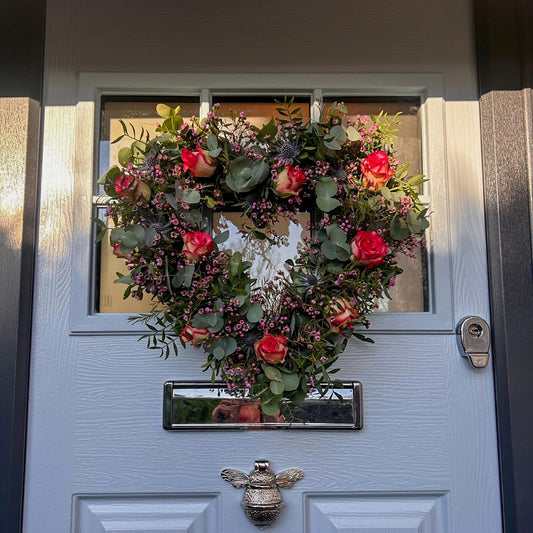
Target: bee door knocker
{"x":262,"y":500}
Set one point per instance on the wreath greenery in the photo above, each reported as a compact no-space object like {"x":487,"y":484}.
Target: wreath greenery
{"x":282,"y":339}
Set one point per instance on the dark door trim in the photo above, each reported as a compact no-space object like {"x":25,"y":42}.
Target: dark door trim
{"x":22,"y":28}
{"x":504,"y":49}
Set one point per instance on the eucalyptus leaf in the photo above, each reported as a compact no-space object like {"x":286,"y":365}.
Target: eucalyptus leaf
{"x":329,"y":249}
{"x":189,"y":196}
{"x":219,"y":353}
{"x":399,"y":229}
{"x":271,"y":406}
{"x":291,"y":381}
{"x":219,"y":324}
{"x":221,"y":237}
{"x":255,"y":313}
{"x":277,"y":387}
{"x":337,"y":235}
{"x":204,"y":320}
{"x":326,"y":204}
{"x":326,"y":186}
{"x":385,"y":191}
{"x":272,"y":372}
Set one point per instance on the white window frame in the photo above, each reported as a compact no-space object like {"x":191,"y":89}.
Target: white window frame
{"x":430,"y":89}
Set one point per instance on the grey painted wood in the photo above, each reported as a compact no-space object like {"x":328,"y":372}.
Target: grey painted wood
{"x":95,"y":421}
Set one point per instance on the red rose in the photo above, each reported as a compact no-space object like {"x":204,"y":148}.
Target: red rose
{"x":271,"y":348}
{"x":194,"y":335}
{"x":341,"y":314}
{"x":376,"y":170}
{"x":368,"y":248}
{"x":200,"y":164}
{"x":127,"y":185}
{"x":196,"y":244}
{"x":289,"y":181}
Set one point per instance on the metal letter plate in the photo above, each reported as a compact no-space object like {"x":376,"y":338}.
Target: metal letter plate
{"x":196,"y":405}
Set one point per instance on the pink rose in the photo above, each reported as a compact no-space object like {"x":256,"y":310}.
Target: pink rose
{"x":368,"y":248}
{"x":194,"y":335}
{"x":289,"y":181}
{"x":199,"y":162}
{"x":376,"y":170}
{"x":197,"y":244}
{"x":341,"y":314}
{"x":127,"y":185}
{"x":271,"y":348}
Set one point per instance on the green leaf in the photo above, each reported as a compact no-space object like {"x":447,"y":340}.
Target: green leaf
{"x":219,"y":353}
{"x":227,"y":344}
{"x":271,"y":406}
{"x":352,"y":133}
{"x":326,"y":204}
{"x":124,"y":279}
{"x":204,"y":320}
{"x":112,"y":174}
{"x":385,"y":191}
{"x":326,"y":186}
{"x":343,"y":252}
{"x":277,"y":387}
{"x":189,"y":196}
{"x":125,"y":156}
{"x":164,"y":111}
{"x":337,"y":235}
{"x":329,"y":249}
{"x":272,"y":372}
{"x":195,"y":216}
{"x":218,"y":325}
{"x":268,"y":129}
{"x":291,"y":381}
{"x":399,"y":229}
{"x":212,"y":142}
{"x":255,"y":313}
{"x":244,"y":174}
{"x":171,"y":199}
{"x":221,"y":237}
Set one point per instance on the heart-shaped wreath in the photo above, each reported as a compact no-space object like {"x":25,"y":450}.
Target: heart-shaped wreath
{"x":282,"y":339}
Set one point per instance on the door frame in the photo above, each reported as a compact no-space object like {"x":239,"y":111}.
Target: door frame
{"x":503,"y":36}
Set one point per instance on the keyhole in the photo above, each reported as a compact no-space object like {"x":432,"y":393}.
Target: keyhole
{"x":475,"y":330}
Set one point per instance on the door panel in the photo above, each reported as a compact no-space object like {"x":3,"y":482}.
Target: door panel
{"x":98,"y":458}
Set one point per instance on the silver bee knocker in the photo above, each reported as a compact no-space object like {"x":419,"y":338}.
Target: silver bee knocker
{"x":262,"y":500}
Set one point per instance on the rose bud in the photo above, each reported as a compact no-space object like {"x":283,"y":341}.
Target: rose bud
{"x":198,"y":162}
{"x":196,"y":244}
{"x":117,"y":252}
{"x":271,"y":348}
{"x":289,"y":181}
{"x":368,"y":248}
{"x":341,"y":314}
{"x":376,"y":170}
{"x":127,"y":185}
{"x":194,"y":335}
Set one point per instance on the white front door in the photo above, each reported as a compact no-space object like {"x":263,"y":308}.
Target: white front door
{"x":98,"y":457}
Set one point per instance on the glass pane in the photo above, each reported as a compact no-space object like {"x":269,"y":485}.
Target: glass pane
{"x":266,"y":259}
{"x":109,"y":297}
{"x":410,"y":293}
{"x":141,"y":113}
